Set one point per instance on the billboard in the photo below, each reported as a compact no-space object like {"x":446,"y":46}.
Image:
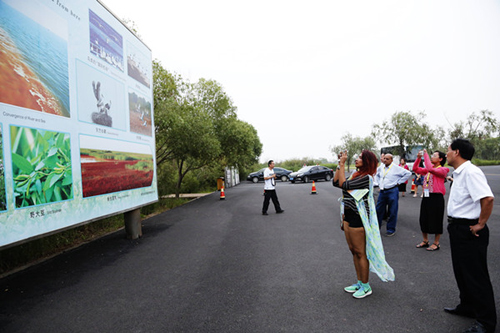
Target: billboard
{"x":76,"y":117}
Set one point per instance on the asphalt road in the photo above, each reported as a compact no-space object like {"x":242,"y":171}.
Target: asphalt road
{"x":220,"y":266}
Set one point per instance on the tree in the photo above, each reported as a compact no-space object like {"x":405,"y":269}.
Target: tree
{"x":407,"y":129}
{"x":354,"y":146}
{"x":185,"y":133}
{"x":193,"y":141}
{"x":488,"y":149}
{"x":240,"y":143}
{"x":481,"y":129}
{"x":132,"y":27}
{"x":476,"y":127}
{"x":166,"y":99}
{"x":197,"y":126}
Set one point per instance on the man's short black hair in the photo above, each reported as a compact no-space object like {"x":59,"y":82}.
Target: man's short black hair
{"x":269,"y":163}
{"x":464,"y":147}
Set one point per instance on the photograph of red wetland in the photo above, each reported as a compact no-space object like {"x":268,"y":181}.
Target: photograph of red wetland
{"x":105,"y":171}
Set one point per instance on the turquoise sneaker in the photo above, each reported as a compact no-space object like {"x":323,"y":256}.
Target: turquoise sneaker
{"x":352,"y":289}
{"x":362,"y":292}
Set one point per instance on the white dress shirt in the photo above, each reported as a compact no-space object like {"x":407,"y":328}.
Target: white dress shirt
{"x":469,"y":187}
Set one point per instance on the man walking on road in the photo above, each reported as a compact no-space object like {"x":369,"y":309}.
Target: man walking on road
{"x":270,"y":189}
{"x":388,"y":178}
{"x":469,"y":207}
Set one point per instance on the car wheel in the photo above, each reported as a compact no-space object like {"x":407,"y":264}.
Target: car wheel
{"x":328,"y":177}
{"x":306,"y":179}
{"x":283,"y":178}
{"x":255,"y":179}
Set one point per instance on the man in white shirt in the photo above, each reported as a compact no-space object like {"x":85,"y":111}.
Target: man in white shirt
{"x":469,"y":207}
{"x":388,"y":178}
{"x":270,"y":189}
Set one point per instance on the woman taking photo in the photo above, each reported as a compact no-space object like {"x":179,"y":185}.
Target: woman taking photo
{"x":432,"y":207}
{"x":402,"y":186}
{"x":359,"y":222}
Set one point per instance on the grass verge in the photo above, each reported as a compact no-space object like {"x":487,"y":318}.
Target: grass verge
{"x":16,"y":257}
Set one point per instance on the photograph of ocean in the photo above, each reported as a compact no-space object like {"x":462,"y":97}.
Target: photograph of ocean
{"x":105,"y":42}
{"x":34,"y":60}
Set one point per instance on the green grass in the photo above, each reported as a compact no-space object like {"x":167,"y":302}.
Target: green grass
{"x":479,"y":162}
{"x":18,"y":256}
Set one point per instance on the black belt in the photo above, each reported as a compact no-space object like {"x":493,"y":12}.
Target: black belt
{"x":453,"y":220}
{"x":387,"y":189}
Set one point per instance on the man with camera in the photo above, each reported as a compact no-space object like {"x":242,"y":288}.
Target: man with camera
{"x":270,"y":189}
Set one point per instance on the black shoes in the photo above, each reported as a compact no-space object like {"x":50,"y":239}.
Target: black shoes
{"x":459,"y":312}
{"x":477,"y":327}
{"x":278,"y":212}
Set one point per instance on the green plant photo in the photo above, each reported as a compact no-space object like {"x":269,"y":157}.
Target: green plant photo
{"x":41,"y":165}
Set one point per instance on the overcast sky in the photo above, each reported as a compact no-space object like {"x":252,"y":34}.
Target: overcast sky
{"x":306,"y":73}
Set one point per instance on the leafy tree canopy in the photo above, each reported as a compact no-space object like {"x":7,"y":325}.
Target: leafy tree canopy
{"x":197,"y":127}
{"x":353,"y":146}
{"x":406,"y":129}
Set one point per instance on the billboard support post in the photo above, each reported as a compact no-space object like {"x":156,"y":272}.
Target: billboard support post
{"x":133,"y":226}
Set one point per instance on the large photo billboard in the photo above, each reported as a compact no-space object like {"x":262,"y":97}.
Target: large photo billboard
{"x":76,"y":117}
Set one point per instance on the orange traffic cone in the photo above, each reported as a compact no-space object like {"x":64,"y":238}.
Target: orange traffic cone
{"x":313,"y":191}
{"x":413,"y":187}
{"x":222,"y":195}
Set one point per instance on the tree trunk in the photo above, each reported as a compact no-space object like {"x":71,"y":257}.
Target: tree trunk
{"x":180,"y":176}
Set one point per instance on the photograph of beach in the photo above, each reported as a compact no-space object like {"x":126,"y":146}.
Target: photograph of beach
{"x":140,"y":114}
{"x":105,"y":42}
{"x":100,"y":98}
{"x":138,"y":66}
{"x":34,"y":58}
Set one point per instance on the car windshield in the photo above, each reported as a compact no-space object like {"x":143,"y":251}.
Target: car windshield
{"x":304,"y":169}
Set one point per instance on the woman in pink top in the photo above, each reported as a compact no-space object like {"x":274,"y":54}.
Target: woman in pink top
{"x":402,"y":186}
{"x":432,"y":207}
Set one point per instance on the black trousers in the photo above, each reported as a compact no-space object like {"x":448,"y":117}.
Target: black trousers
{"x":468,"y":255}
{"x":270,"y":195}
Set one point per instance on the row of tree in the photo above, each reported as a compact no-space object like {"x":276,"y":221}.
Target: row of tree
{"x":407,"y":129}
{"x":197,"y":127}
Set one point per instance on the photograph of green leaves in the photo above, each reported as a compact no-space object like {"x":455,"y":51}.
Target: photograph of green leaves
{"x":41,"y":166}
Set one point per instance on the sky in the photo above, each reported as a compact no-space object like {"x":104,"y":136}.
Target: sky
{"x":306,"y":73}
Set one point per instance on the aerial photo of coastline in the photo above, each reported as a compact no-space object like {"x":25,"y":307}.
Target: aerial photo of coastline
{"x":137,"y":65}
{"x":105,"y":42}
{"x":34,"y":61}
